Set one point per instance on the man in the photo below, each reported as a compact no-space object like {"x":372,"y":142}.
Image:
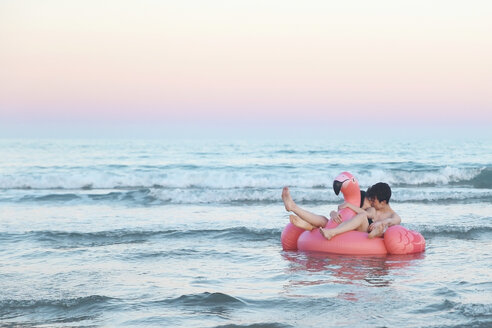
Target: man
{"x":379,"y":195}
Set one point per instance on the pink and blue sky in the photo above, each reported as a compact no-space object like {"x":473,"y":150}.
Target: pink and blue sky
{"x":276,"y":64}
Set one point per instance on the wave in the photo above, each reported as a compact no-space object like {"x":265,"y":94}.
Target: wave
{"x":152,"y":255}
{"x":449,"y":195}
{"x":430,"y":176}
{"x":238,"y":196}
{"x":481,"y":180}
{"x":243,"y":177}
{"x":454,"y":232}
{"x":470,"y":324}
{"x":475,"y":311}
{"x":204,"y":299}
{"x":257,"y":325}
{"x":214,"y":303}
{"x":11,"y":308}
{"x":50,"y":198}
{"x":62,"y":239}
{"x":75,"y":240}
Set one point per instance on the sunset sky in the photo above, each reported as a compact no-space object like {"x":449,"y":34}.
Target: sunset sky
{"x":232,"y":64}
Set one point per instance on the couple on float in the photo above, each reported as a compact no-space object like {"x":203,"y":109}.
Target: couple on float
{"x":373,"y":216}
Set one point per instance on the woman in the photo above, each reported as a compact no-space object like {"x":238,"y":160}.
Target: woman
{"x":309,"y":221}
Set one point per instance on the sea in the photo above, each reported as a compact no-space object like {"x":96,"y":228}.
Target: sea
{"x":186,"y":233}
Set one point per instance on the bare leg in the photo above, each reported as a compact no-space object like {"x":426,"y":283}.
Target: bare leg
{"x":358,"y":223}
{"x":311,"y":218}
{"x":300,"y":223}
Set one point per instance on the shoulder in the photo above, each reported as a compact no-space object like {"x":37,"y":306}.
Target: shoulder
{"x":393,"y":213}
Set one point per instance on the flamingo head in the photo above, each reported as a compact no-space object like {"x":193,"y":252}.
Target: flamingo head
{"x":346,"y":183}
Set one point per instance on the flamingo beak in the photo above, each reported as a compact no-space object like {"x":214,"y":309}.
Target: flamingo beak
{"x":337,"y":186}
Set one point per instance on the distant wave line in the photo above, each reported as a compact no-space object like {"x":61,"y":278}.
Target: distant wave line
{"x":252,"y":177}
{"x":234,"y":196}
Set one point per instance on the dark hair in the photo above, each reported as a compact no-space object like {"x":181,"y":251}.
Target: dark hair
{"x":381,"y":191}
{"x":362,"y":196}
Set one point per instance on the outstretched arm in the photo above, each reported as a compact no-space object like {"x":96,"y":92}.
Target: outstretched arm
{"x":394,"y":219}
{"x":354,"y":208}
{"x":377,"y":228}
{"x":370,"y":212}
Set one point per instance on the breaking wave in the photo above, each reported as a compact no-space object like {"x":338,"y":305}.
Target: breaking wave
{"x":230,"y":177}
{"x":235,"y":196}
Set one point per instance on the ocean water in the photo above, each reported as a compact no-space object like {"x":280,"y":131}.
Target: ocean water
{"x":156,"y":233}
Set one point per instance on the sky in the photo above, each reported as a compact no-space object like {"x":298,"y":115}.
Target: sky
{"x":273,"y":65}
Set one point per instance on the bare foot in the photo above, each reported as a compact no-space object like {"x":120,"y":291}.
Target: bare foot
{"x":327,"y":233}
{"x":377,"y":232}
{"x":288,"y":202}
{"x":300,"y":223}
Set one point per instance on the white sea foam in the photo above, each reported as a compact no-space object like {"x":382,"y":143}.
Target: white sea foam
{"x":226,"y":179}
{"x":199,"y":195}
{"x":441,"y":176}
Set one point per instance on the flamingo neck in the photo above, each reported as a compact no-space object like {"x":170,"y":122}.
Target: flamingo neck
{"x":352,"y":195}
{"x":353,"y":199}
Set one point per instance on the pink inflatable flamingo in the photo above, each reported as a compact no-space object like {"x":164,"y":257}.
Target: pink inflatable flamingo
{"x":397,"y":239}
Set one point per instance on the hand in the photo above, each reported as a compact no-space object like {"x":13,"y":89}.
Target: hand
{"x":376,"y":225}
{"x":335,"y":216}
{"x":373,"y":225}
